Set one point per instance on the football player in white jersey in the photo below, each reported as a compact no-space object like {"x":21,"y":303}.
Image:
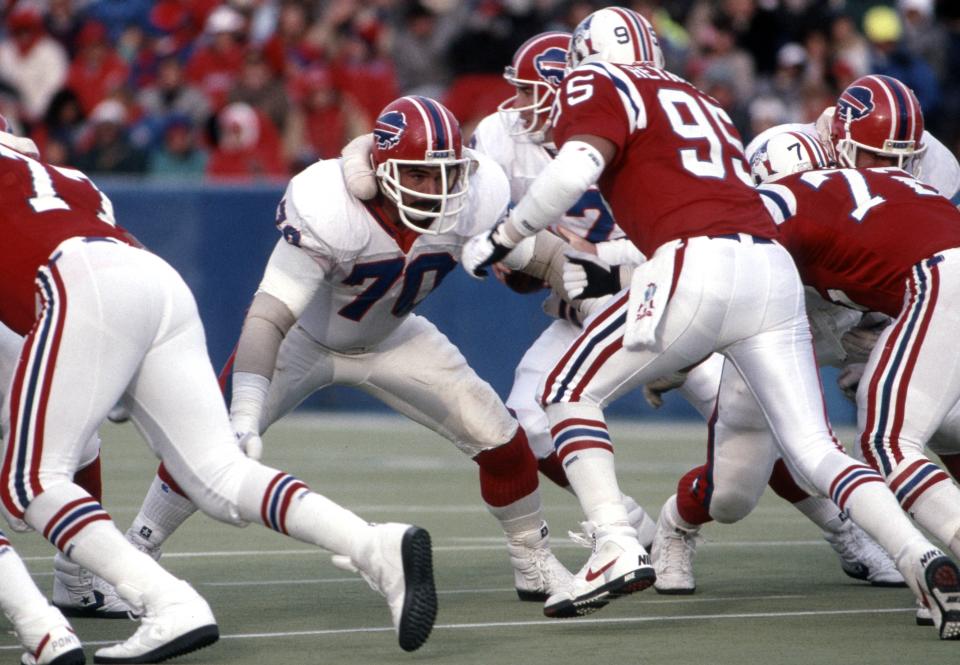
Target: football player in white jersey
{"x":519,"y":138}
{"x":335,"y":306}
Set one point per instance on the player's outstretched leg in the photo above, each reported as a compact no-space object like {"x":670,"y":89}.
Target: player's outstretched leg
{"x":618,"y":564}
{"x":395,"y":559}
{"x":176,"y":619}
{"x":41,"y":629}
{"x":860,"y":556}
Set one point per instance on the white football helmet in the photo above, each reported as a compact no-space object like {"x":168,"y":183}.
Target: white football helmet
{"x":617,"y":35}
{"x":786,"y":153}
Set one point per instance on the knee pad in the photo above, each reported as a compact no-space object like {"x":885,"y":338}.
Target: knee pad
{"x":730,"y":504}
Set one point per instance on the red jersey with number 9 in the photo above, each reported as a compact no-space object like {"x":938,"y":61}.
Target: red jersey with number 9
{"x":855,"y":234}
{"x":679,"y":170}
{"x":42,"y":206}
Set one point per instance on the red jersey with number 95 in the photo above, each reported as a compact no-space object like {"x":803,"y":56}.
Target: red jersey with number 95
{"x":855,"y":234}
{"x":42,"y":206}
{"x":679,"y":170}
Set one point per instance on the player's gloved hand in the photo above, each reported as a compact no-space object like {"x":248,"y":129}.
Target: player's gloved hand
{"x":250,"y":444}
{"x":358,"y":172}
{"x":585,"y":275}
{"x":654,"y":391}
{"x":859,"y":341}
{"x":485,"y":249}
{"x":849,"y":380}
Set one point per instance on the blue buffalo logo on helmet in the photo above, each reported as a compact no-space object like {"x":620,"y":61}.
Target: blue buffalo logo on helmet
{"x":389,"y":129}
{"x":550,"y":65}
{"x":856,"y":102}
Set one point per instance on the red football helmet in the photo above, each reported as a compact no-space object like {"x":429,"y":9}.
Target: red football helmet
{"x":786,"y":153}
{"x":420,"y":132}
{"x":881,"y":115}
{"x":617,"y":35}
{"x":536,"y":71}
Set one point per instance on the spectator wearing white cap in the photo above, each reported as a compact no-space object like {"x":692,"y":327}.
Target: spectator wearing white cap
{"x":217,"y":62}
{"x":109,"y":149}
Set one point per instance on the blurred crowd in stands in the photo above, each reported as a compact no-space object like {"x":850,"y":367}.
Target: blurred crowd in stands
{"x":258,"y":89}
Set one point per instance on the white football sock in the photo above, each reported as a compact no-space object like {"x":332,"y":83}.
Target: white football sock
{"x":19,"y":597}
{"x":162,"y":512}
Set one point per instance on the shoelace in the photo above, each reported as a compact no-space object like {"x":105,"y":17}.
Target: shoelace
{"x":677,"y":550}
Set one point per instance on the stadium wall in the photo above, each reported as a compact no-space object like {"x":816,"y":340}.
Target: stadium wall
{"x":219,"y":238}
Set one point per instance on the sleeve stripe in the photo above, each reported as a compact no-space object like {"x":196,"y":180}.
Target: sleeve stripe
{"x":782,"y":204}
{"x":629,"y":95}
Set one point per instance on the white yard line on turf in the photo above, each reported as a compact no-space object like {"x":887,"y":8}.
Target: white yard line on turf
{"x":550,"y":622}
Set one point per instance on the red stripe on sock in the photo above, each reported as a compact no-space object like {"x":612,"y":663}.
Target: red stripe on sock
{"x":71,"y":532}
{"x":872,"y":478}
{"x":265,"y":502}
{"x":937,"y":477}
{"x":60,"y":513}
{"x":288,"y":497}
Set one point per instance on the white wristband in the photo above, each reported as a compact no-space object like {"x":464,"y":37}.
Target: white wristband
{"x":249,"y":394}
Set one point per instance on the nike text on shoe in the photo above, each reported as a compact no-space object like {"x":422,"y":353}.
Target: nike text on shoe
{"x":397,"y":562}
{"x":59,"y":645}
{"x":862,"y":558}
{"x":79,"y":593}
{"x":672,"y":556}
{"x":178,"y":622}
{"x":618,"y":566}
{"x":942,"y":578}
{"x":537,"y":574}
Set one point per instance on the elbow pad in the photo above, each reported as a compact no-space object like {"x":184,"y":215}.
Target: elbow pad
{"x":576,"y":167}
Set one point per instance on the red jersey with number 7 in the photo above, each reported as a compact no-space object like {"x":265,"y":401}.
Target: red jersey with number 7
{"x":855,"y":234}
{"x":43,"y":205}
{"x":679,"y":170}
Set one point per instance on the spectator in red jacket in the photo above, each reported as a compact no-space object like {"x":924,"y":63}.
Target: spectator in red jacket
{"x":98,"y":70}
{"x":248,"y":146}
{"x":216,"y":63}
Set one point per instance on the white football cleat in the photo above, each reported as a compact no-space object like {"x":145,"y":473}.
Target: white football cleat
{"x":537,"y":574}
{"x":672,"y":554}
{"x":179,"y":621}
{"x":397,"y":562}
{"x":924,"y":616}
{"x":50,"y":640}
{"x":942,"y":586}
{"x":862,"y":558}
{"x":77,"y":592}
{"x":617,"y":567}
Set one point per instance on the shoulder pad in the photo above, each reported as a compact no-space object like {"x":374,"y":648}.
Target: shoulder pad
{"x":319,"y":215}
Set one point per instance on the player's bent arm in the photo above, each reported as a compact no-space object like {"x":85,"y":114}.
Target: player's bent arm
{"x":576,"y":167}
{"x":289,"y":283}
